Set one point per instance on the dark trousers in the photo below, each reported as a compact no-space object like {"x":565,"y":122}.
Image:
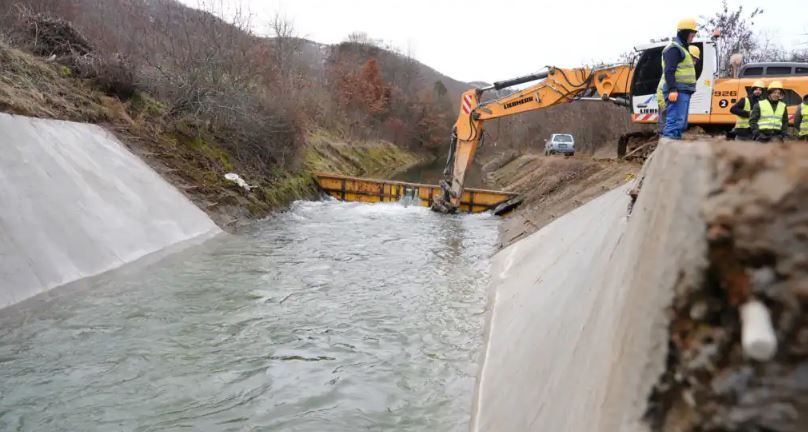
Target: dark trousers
{"x":743,"y":134}
{"x":766,"y":136}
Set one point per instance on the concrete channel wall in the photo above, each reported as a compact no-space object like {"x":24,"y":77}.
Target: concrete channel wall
{"x":74,"y":202}
{"x":577,"y":332}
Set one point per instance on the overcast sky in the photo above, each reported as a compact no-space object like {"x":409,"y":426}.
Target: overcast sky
{"x":473,"y":40}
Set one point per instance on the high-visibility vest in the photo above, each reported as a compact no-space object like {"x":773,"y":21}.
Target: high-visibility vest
{"x":804,"y":123}
{"x":685,"y":70}
{"x":743,"y":122}
{"x":769,"y":118}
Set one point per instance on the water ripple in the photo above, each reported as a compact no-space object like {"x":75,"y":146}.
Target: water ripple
{"x":332,"y":316}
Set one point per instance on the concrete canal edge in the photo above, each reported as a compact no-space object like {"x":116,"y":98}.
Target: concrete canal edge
{"x":577,"y":330}
{"x":76,"y":203}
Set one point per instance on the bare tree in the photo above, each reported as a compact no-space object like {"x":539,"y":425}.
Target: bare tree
{"x":767,"y":50}
{"x":799,"y":55}
{"x":408,"y":74}
{"x":211,"y":72}
{"x":362,"y":38}
{"x":286,"y":49}
{"x":737,"y":35}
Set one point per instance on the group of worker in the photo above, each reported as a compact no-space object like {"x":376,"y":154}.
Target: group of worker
{"x":767,"y":119}
{"x":756,"y":119}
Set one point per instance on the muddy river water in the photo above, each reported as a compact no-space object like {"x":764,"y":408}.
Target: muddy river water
{"x":329,"y":317}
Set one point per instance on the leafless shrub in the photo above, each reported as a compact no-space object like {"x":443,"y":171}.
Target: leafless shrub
{"x":50,"y":36}
{"x":266,"y":132}
{"x":114,"y":75}
{"x":60,"y":40}
{"x":220,"y":75}
{"x":285,"y":50}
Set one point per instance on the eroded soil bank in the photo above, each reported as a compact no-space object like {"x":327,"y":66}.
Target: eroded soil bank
{"x":552,"y":186}
{"x":757,"y":235}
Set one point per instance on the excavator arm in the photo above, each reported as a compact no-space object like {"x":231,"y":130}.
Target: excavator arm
{"x":556,"y":86}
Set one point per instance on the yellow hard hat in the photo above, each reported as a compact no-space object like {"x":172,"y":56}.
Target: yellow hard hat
{"x":687,"y":24}
{"x":694,"y":51}
{"x":775,"y":85}
{"x":759,"y":84}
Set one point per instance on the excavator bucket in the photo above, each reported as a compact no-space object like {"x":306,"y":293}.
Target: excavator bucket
{"x":346,"y":188}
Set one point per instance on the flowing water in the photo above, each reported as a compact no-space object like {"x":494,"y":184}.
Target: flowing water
{"x":329,"y":317}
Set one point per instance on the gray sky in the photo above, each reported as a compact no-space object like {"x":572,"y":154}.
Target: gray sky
{"x":474,"y":40}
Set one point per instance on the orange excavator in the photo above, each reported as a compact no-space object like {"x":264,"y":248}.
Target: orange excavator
{"x":632,"y":85}
{"x":557,"y":86}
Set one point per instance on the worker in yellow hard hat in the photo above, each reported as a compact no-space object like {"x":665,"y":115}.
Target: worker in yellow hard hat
{"x":695,"y":52}
{"x":769,"y":119}
{"x":801,"y":119}
{"x":743,"y":110}
{"x":679,"y":76}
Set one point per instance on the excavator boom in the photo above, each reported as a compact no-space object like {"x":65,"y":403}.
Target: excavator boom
{"x":556,"y":86}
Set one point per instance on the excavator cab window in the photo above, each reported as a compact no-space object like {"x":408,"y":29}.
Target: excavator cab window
{"x":649,"y":70}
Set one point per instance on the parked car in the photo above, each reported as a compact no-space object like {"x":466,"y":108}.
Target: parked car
{"x":560,"y":143}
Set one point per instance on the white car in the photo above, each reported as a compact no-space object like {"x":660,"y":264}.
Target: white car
{"x":560,"y":143}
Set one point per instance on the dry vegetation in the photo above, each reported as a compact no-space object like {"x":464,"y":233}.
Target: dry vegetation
{"x":198,"y":97}
{"x":260,"y":91}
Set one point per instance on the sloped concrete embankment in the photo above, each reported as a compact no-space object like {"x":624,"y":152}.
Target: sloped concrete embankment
{"x":578,"y":333}
{"x":74,"y":202}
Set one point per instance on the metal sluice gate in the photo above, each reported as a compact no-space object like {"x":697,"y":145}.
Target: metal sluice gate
{"x":347,"y":188}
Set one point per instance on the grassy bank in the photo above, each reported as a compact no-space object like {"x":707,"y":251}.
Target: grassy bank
{"x":186,"y":151}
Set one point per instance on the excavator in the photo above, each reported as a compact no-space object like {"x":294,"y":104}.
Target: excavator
{"x":631,"y":85}
{"x":557,"y":86}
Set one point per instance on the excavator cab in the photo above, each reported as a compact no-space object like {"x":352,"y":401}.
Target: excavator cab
{"x":648,"y":72}
{"x":631,"y":84}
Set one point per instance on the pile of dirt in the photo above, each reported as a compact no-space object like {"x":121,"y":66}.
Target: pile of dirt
{"x":552,"y":186}
{"x":758,"y":250}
